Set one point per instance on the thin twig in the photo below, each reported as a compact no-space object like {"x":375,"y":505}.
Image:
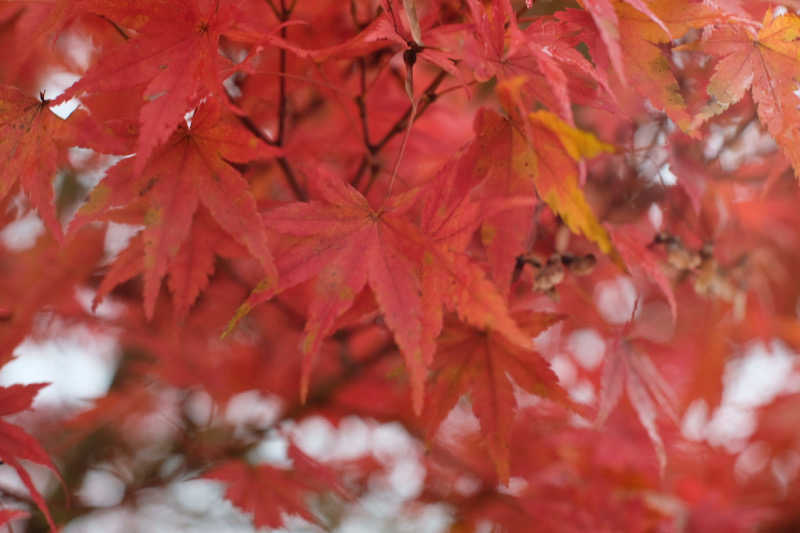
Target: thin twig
{"x":403,"y":145}
{"x":291,"y":178}
{"x":428,"y":96}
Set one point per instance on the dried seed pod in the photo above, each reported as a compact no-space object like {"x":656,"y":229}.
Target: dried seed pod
{"x":682,"y":258}
{"x":663,"y":237}
{"x":579,"y":265}
{"x":550,"y":275}
{"x":678,"y":255}
{"x":707,"y":251}
{"x":532,"y":259}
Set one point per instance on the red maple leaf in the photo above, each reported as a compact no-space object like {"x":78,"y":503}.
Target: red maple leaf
{"x":543,"y":54}
{"x":483,"y":363}
{"x":16,"y":444}
{"x":43,"y":278}
{"x":191,"y":169}
{"x":248,"y":484}
{"x":173,"y":53}
{"x":345,"y":243}
{"x":627,"y":369}
{"x":33,"y":146}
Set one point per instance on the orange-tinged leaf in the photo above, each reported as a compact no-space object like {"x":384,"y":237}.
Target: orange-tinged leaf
{"x":500,"y":158}
{"x":475,"y":299}
{"x":641,"y":5}
{"x":554,"y":149}
{"x":765,"y":62}
{"x":491,"y":183}
{"x":644,"y":26}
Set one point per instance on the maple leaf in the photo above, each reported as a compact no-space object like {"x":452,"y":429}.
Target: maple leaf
{"x":33,"y":143}
{"x":542,"y":54}
{"x":191,"y":169}
{"x":345,"y":243}
{"x":247,"y":486}
{"x":607,"y":22}
{"x":174,"y":55}
{"x":189,"y":270}
{"x":398,"y":29}
{"x":553,"y":157}
{"x":627,"y":369}
{"x":497,"y":163}
{"x":765,"y":62}
{"x":632,"y":32}
{"x":633,"y":247}
{"x":480,"y":362}
{"x":455,"y":204}
{"x":16,"y":444}
{"x":43,"y":278}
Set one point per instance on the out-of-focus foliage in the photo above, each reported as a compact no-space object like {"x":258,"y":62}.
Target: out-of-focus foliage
{"x":367,"y":210}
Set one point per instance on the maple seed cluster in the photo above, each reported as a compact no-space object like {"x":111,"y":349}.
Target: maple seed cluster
{"x":710,"y":278}
{"x":550,"y":273}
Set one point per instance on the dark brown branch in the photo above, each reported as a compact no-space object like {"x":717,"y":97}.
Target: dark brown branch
{"x":282,"y":80}
{"x":274,"y":9}
{"x":291,"y":179}
{"x":288,"y":173}
{"x":116,"y":27}
{"x":362,"y":106}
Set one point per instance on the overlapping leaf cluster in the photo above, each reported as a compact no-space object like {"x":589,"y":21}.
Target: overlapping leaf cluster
{"x":374,"y":207}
